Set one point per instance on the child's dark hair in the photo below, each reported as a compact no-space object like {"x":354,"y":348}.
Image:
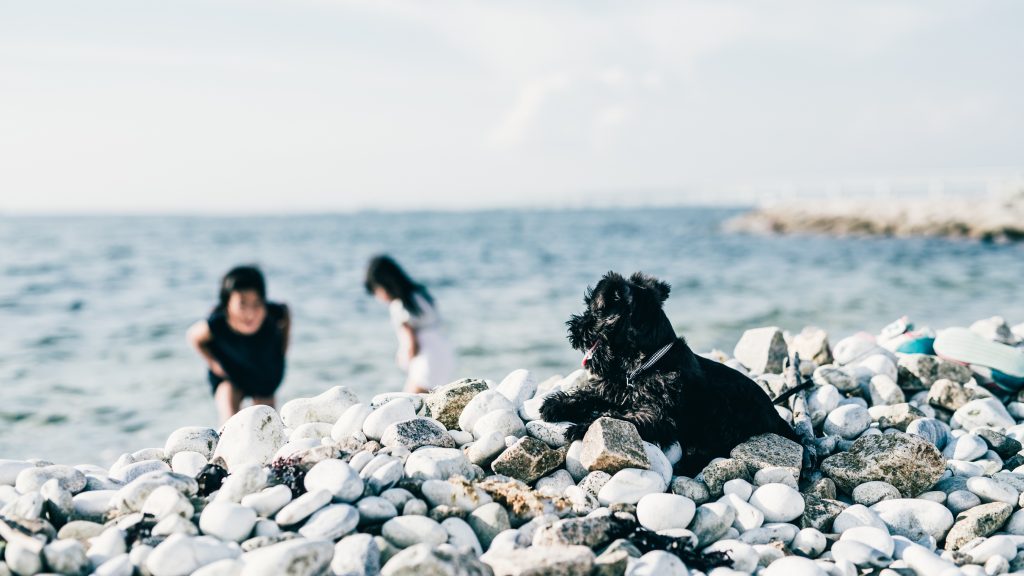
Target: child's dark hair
{"x":384,"y":272}
{"x":241,"y":278}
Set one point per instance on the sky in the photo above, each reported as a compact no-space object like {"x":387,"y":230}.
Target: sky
{"x":260,"y":106}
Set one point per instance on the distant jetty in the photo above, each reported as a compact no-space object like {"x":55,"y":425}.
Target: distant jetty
{"x":998,"y":219}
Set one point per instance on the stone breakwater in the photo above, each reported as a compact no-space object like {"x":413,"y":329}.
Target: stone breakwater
{"x":920,"y":472}
{"x":993,"y":220}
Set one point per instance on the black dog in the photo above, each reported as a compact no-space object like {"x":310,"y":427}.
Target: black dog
{"x":643,"y":373}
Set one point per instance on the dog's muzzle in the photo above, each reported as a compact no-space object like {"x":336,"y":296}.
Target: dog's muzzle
{"x":589,"y":355}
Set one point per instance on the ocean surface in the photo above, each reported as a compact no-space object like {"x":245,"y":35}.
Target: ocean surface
{"x":93,"y":310}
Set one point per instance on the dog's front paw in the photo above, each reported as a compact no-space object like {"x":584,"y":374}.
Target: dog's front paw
{"x":554,"y":407}
{"x":576,"y":432}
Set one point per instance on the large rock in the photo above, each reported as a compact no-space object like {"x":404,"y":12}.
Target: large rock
{"x":416,"y":433}
{"x":541,"y":561}
{"x":528,"y":460}
{"x":762,"y":350}
{"x":251,"y":436}
{"x":445,"y":403}
{"x":920,"y":371}
{"x":769,"y":451}
{"x":977,"y":522}
{"x":905,"y":461}
{"x":611,"y":445}
{"x":914,"y":518}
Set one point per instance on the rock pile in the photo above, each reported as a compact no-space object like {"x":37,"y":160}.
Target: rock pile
{"x":921,"y":472}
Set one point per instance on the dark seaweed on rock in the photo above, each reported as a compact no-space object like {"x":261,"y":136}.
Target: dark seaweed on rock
{"x":646,"y":540}
{"x":141,"y":530}
{"x":289,"y":472}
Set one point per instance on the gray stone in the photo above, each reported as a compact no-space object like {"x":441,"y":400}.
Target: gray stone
{"x":769,"y":451}
{"x":425,"y":560}
{"x":835,"y":376}
{"x":445,"y":403}
{"x":820,"y":513}
{"x":330,"y":523}
{"x":920,"y":371}
{"x":711,"y":521}
{"x":593,"y":482}
{"x":948,"y":394}
{"x":592,"y":532}
{"x":551,"y":433}
{"x":905,"y":461}
{"x":931,"y":430}
{"x":296,"y":557}
{"x":898,"y":416}
{"x":455,"y":492}
{"x":717,"y":473}
{"x":251,"y":436}
{"x":871,"y":493}
{"x":529,"y":459}
{"x":883,"y":390}
{"x":437,"y":464}
{"x":488,"y":521}
{"x":693,"y":489}
{"x":191,"y":439}
{"x":356,"y":555}
{"x":914,"y":519}
{"x":416,"y":433}
{"x":848,"y":421}
{"x":977,"y":522}
{"x":1001,"y":444}
{"x":541,"y":561}
{"x":762,"y":350}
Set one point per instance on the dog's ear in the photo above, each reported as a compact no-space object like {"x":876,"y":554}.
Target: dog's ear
{"x":659,"y":288}
{"x":615,"y":290}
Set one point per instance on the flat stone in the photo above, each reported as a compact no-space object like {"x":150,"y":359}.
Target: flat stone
{"x":984,"y":412}
{"x":326,"y":407}
{"x":991,"y":490}
{"x":905,"y":461}
{"x":268,"y":501}
{"x":629,"y":485}
{"x":762,"y":350}
{"x":425,"y":560}
{"x":446,"y":403}
{"x":302,"y":507}
{"x":540,"y":561}
{"x":330,"y":523}
{"x":977,"y":522}
{"x":252,"y":436}
{"x":416,"y":433}
{"x":297,"y":557}
{"x":528,"y":460}
{"x":405,"y":531}
{"x":914,"y":518}
{"x":768,"y":451}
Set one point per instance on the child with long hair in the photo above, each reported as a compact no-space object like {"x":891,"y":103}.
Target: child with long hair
{"x":244,"y":342}
{"x":424,"y":351}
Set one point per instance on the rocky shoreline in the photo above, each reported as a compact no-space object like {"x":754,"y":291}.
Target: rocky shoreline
{"x":920,"y":472}
{"x":999,"y":220}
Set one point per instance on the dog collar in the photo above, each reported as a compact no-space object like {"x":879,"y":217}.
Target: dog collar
{"x":650,"y":362}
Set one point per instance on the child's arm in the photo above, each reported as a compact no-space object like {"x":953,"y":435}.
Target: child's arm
{"x":286,"y":327}
{"x":199,"y":337}
{"x":412,"y":343}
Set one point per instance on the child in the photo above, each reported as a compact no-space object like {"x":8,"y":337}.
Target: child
{"x":424,"y":351}
{"x":244,"y":342}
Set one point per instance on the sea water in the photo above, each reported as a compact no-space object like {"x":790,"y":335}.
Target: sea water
{"x":93,"y":310}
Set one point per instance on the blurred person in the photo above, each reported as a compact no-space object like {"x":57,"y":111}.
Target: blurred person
{"x":243,"y":341}
{"x":424,"y":351}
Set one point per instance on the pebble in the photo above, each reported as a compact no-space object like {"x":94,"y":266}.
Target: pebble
{"x":665,"y":511}
{"x":657,"y":563}
{"x":506,"y":422}
{"x":778,"y":502}
{"x":629,"y":485}
{"x":331,"y":522}
{"x":337,"y":478}
{"x":302,"y":507}
{"x":405,"y":531}
{"x":483,"y":403}
{"x":986,"y":412}
{"x":350,"y":422}
{"x":870,"y":493}
{"x":326,"y":407}
{"x":518,"y":387}
{"x":197,"y":439}
{"x":914,"y":518}
{"x":793,"y":566}
{"x":990,"y":490}
{"x":289,"y":558}
{"x":396,"y":410}
{"x":961,"y":500}
{"x":847,"y":421}
{"x":809,"y":542}
{"x":357,"y":554}
{"x":251,"y":436}
{"x":227,"y":520}
{"x":268,"y":501}
{"x":188,"y":463}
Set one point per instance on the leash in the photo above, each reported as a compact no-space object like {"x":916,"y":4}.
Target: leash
{"x":650,"y":362}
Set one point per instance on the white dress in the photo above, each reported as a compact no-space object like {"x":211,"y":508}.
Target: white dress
{"x":434,"y":365}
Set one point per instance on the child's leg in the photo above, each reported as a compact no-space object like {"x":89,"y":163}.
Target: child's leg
{"x":228,"y":400}
{"x":263,"y":400}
